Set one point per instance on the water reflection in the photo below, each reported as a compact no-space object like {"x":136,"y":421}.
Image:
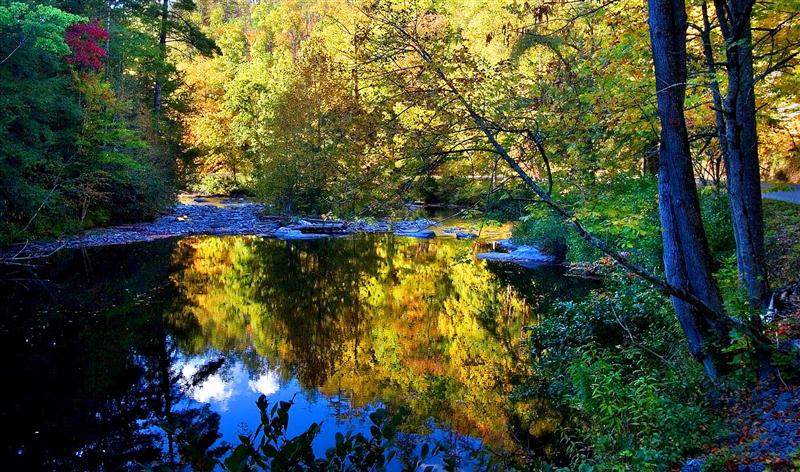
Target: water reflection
{"x":90,"y":362}
{"x":129,"y":354}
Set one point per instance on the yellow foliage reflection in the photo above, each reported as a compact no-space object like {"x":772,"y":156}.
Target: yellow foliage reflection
{"x":370,"y":318}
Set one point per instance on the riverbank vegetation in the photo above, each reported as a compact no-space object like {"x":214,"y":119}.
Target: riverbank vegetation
{"x":632,"y":141}
{"x":79,"y":145}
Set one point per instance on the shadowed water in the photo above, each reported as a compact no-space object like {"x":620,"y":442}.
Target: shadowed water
{"x":156,"y":352}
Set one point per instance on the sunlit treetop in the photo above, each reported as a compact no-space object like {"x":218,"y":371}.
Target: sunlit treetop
{"x":83,"y":39}
{"x":40,"y":26}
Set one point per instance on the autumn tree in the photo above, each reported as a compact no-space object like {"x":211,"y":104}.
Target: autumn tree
{"x":174,"y":25}
{"x":741,"y":142}
{"x":727,"y":30}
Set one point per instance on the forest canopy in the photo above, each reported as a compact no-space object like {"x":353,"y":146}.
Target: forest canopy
{"x":323,"y":106}
{"x":319,"y":106}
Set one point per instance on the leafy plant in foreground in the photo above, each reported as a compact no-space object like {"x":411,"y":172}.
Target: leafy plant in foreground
{"x":269,"y":448}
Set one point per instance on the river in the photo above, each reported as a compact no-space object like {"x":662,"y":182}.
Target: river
{"x":118,"y":355}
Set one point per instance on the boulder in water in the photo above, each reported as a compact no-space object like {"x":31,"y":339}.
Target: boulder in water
{"x":320,"y":226}
{"x":506,"y":244}
{"x":465,"y":235}
{"x":414,"y":225}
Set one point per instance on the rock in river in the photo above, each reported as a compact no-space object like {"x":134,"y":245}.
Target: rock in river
{"x":289,"y":234}
{"x":505,"y":244}
{"x":526,"y":256}
{"x":423,"y":234}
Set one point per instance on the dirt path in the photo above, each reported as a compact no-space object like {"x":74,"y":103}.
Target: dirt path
{"x":791,"y":196}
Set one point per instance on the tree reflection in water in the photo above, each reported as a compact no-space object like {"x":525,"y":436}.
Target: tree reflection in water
{"x":110,"y":356}
{"x":91,"y":357}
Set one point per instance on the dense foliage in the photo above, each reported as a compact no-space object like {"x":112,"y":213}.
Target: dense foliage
{"x":320,"y":106}
{"x":616,"y":367}
{"x":79,"y":144}
{"x":615,"y":363}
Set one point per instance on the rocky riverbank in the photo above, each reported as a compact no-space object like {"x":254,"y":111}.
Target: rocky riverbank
{"x":220,"y":217}
{"x":229,"y":216}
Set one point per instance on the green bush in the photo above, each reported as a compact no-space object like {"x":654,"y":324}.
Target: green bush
{"x":138,"y":194}
{"x":782,"y":241}
{"x":717,"y":222}
{"x":632,"y":417}
{"x":622,"y":211}
{"x":221,"y":184}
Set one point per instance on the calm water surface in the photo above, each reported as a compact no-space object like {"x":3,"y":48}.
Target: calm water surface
{"x":121,"y":356}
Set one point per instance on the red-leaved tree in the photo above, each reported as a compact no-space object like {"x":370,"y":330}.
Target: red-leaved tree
{"x":84,"y":39}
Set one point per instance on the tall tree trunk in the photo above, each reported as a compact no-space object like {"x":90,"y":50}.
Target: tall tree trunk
{"x":162,"y":47}
{"x":687,"y":260}
{"x":741,"y":165}
{"x":713,"y":85}
{"x":108,"y":41}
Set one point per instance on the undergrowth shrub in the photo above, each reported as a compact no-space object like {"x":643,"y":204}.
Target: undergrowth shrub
{"x":717,"y":222}
{"x":270,"y":448}
{"x":623,"y":212}
{"x":782,"y":241}
{"x":615,"y":367}
{"x":222,"y":184}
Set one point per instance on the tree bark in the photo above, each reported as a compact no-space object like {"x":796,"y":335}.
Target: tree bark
{"x":742,"y":166}
{"x":687,"y":259}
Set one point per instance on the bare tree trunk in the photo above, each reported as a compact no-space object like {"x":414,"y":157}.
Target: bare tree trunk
{"x":162,"y":46}
{"x":687,"y":260}
{"x":742,"y":166}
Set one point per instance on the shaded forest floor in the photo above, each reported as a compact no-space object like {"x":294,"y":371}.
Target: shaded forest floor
{"x":764,"y":423}
{"x":765,"y":433}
